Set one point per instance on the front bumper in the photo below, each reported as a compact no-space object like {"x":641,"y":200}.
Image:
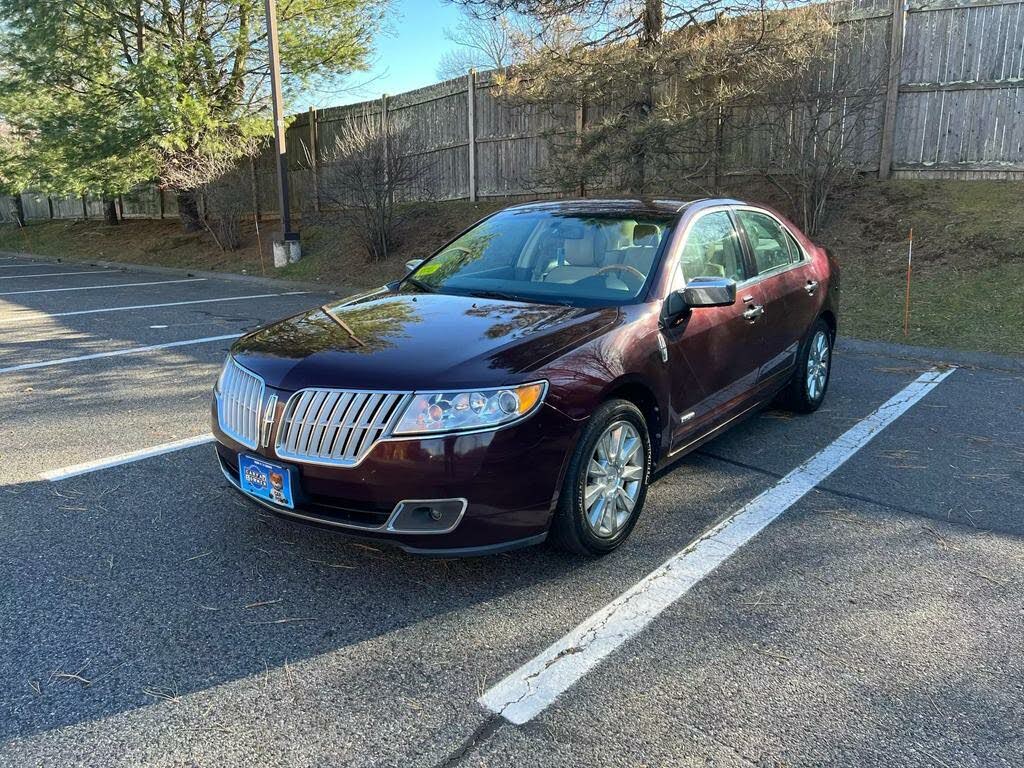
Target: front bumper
{"x":509,"y":478}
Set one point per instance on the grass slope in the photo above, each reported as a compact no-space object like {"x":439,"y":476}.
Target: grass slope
{"x":968,"y":256}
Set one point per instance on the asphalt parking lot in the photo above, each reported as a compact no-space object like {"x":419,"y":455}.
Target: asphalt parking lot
{"x":151,"y":616}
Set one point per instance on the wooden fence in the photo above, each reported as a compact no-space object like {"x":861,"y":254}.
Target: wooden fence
{"x":950,"y":105}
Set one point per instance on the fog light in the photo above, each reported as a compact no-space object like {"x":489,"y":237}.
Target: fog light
{"x":426,"y":515}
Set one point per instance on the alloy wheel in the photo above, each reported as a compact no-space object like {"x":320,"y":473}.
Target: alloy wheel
{"x":615,"y":476}
{"x":817,"y":365}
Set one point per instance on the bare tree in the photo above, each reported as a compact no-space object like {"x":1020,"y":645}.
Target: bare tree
{"x":814,"y":132}
{"x":369,"y":169}
{"x":482,"y":42}
{"x":228,"y":198}
{"x":648,"y":73}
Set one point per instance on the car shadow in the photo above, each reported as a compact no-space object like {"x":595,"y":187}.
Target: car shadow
{"x":176,"y":584}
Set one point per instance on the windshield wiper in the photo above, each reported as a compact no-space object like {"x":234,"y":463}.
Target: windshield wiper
{"x":487,"y":294}
{"x":425,"y":287}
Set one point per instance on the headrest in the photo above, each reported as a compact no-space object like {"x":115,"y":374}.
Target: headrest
{"x":621,"y":236}
{"x":646,"y":234}
{"x":579,"y":253}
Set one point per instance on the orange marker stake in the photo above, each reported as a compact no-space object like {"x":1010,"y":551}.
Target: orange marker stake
{"x":906,"y":305}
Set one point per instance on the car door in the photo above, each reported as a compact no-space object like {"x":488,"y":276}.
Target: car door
{"x":786,"y":285}
{"x":718,"y":348}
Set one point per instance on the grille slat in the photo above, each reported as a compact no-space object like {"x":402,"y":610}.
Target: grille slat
{"x":239,"y":405}
{"x":334,"y":426}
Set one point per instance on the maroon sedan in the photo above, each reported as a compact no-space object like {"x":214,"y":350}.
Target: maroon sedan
{"x":526,"y":380}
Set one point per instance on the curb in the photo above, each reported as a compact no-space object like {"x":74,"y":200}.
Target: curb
{"x":957,"y":357}
{"x":267,"y":282}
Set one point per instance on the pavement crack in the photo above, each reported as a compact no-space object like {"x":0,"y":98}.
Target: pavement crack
{"x":480,"y":734}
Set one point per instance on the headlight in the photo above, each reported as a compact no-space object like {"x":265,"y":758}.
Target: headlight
{"x":469,"y":409}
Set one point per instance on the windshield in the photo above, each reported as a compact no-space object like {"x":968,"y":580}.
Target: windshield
{"x":549,"y":256}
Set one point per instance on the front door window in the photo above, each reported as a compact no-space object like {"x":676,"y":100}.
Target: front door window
{"x":712,"y":249}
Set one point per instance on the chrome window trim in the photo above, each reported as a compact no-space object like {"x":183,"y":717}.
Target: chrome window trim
{"x":765,"y":275}
{"x":240,"y":439}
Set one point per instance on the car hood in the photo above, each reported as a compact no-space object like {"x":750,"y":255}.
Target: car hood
{"x":398,"y":341}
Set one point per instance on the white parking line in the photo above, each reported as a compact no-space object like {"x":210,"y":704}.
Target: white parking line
{"x":125,"y":458}
{"x":151,"y":306}
{"x":94,"y":287}
{"x":530,"y":689}
{"x":60,"y":274}
{"x":117,"y":353}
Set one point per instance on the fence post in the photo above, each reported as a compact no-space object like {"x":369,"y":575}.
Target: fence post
{"x":892,"y":92}
{"x":85,"y":209}
{"x":314,"y":159}
{"x":471,"y":118}
{"x":160,"y":201}
{"x":255,"y":184}
{"x":387,"y":157}
{"x":581,"y":123}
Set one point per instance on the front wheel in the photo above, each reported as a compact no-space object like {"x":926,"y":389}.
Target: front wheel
{"x":606,"y":482}
{"x":806,"y":391}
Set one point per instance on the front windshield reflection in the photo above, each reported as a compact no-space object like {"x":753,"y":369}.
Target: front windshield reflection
{"x":363,"y":328}
{"x":550,"y":256}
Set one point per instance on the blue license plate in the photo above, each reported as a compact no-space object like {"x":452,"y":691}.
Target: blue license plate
{"x":266,"y":480}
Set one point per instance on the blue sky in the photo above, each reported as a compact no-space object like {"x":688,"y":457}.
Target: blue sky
{"x":407,"y":54}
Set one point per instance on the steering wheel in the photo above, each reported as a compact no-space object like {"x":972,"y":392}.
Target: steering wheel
{"x":622,"y":268}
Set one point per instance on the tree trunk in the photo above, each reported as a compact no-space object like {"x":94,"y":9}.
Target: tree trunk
{"x":188,"y":210}
{"x":19,"y":210}
{"x":110,"y":210}
{"x":650,"y":39}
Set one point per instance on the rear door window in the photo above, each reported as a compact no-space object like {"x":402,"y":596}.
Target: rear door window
{"x":768,"y":240}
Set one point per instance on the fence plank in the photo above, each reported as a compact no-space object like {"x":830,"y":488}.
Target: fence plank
{"x":471,"y":127}
{"x":951,"y":107}
{"x":895,"y":59}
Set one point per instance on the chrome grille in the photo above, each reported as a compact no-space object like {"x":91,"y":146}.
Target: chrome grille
{"x":333,"y":426}
{"x":239,"y":404}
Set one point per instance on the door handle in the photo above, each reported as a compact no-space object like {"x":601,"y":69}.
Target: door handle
{"x":753,"y":313}
{"x":811,"y":287}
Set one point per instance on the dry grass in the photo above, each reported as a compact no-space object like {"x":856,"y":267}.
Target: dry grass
{"x":333,"y":255}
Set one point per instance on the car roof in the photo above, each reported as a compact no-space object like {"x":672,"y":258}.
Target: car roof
{"x":658,"y":206}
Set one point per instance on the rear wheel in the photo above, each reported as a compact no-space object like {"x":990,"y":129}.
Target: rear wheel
{"x":606,"y":483}
{"x":806,"y":392}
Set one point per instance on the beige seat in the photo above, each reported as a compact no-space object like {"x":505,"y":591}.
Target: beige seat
{"x":640,"y":255}
{"x":580,"y":263}
{"x":640,"y":258}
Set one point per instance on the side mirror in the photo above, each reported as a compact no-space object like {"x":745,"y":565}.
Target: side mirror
{"x":709,"y":292}
{"x":411,"y":264}
{"x":699,"y":292}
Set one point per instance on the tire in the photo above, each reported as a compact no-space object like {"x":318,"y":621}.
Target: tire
{"x":572,"y":528}
{"x":804,"y":393}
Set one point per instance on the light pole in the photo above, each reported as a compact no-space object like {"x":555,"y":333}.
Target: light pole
{"x":287,"y":249}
